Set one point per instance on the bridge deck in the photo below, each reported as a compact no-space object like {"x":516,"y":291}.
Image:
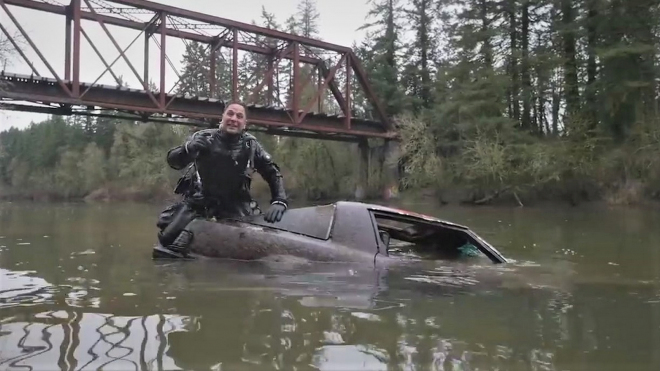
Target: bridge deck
{"x":46,"y":90}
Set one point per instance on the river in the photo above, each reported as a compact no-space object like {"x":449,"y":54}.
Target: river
{"x":78,"y":290}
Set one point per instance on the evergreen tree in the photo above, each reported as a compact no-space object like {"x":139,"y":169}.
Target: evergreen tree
{"x":421,"y":53}
{"x":384,"y":35}
{"x":307,"y":19}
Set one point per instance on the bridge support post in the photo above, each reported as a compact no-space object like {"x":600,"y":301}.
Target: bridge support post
{"x":75,"y":59}
{"x":67,"y":43}
{"x":390,"y":170}
{"x":147,"y":35}
{"x":363,"y":170}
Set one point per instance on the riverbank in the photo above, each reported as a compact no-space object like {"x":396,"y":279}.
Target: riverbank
{"x":505,"y":168}
{"x":454,"y":197}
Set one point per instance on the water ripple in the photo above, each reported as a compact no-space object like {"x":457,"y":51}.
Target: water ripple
{"x":20,"y":289}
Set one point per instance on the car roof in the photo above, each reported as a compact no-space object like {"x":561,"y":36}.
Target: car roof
{"x":354,"y":224}
{"x":406,"y":213}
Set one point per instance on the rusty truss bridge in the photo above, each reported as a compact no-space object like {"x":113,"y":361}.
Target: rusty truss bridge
{"x":292,"y":86}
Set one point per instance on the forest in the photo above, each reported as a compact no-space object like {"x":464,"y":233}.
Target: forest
{"x":512,"y":101}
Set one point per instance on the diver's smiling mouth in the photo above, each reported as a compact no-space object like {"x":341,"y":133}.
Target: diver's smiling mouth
{"x":232,"y":124}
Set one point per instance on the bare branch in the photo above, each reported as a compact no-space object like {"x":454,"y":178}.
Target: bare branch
{"x":7,"y":49}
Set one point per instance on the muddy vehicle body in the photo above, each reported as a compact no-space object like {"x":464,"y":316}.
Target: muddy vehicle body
{"x":338,"y":232}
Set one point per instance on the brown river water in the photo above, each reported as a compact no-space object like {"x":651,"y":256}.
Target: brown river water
{"x":79,"y":290}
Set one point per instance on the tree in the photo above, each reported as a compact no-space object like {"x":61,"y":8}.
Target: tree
{"x":421,"y":53}
{"x":383,"y":37}
{"x":307,"y":19}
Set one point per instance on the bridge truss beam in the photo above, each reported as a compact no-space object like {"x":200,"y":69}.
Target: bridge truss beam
{"x":304,"y":116}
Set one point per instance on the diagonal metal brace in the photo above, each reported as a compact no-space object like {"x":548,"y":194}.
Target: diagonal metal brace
{"x":130,"y":65}
{"x":18,"y":49}
{"x":269,"y":73}
{"x":29,"y":40}
{"x":321,"y":89}
{"x":116,"y":59}
{"x":105,"y":63}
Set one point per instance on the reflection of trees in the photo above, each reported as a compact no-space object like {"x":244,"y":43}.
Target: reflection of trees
{"x":485,"y":328}
{"x":75,"y":341}
{"x":279,"y":324}
{"x":611,"y":327}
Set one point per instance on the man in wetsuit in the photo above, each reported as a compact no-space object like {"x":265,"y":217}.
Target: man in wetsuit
{"x":217,"y":183}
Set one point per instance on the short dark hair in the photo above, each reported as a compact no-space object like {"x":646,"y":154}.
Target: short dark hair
{"x":234,"y":101}
{"x":229,"y":103}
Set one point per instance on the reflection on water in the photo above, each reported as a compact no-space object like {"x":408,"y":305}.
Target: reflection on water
{"x":349,"y":357}
{"x":20,"y":288}
{"x":78,"y":290}
{"x":75,"y":340}
{"x":80,"y":341}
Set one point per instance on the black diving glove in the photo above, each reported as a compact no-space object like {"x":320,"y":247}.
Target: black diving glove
{"x":275,"y":212}
{"x":199,"y":144}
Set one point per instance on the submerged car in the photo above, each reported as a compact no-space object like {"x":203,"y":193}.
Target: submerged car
{"x":339,"y":232}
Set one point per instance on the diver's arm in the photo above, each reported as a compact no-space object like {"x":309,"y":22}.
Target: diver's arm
{"x":181,"y":156}
{"x":270,"y":172}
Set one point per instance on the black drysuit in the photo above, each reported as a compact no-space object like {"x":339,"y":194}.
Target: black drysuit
{"x":217,"y":183}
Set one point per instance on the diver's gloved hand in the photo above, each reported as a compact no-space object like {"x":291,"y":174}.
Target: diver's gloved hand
{"x":199,"y":144}
{"x":275,"y":212}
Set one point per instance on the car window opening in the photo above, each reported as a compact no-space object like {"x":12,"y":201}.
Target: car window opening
{"x":422,"y":240}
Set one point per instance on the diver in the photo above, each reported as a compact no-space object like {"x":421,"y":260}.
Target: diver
{"x":217,"y":182}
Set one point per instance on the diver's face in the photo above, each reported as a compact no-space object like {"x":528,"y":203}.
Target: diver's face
{"x":233,"y":120}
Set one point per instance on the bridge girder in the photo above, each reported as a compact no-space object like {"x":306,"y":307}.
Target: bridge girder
{"x":65,"y":92}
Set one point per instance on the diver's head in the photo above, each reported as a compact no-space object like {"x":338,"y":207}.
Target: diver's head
{"x":234,"y":119}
